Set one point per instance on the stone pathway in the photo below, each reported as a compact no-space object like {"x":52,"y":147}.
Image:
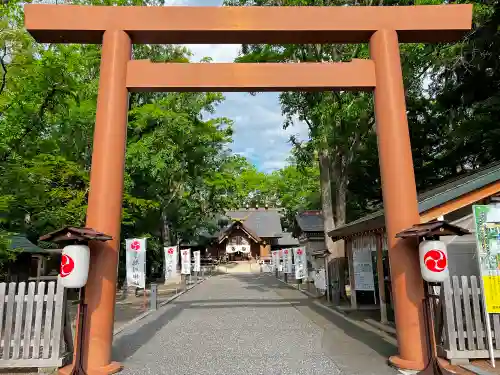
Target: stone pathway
{"x":248,"y":324}
{"x":239,"y":267}
{"x":130,"y":306}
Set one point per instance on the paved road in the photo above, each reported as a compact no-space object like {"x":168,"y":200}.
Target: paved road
{"x":249,"y":324}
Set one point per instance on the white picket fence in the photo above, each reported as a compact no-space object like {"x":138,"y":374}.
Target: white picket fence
{"x":31,"y":322}
{"x":464,"y":328}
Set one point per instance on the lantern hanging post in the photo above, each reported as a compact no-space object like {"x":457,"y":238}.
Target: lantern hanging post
{"x":433,"y":257}
{"x":74,"y":271}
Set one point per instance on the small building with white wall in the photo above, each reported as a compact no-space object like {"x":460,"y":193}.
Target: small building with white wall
{"x":309,"y":230}
{"x":366,"y":238}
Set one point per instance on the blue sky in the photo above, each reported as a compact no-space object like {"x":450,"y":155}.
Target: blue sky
{"x":259,"y":133}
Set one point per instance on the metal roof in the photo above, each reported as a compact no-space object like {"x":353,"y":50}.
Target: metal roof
{"x":435,"y":197}
{"x":238,"y":225}
{"x":265,"y":223}
{"x":21,"y":243}
{"x":310,"y":221}
{"x":288,"y":240}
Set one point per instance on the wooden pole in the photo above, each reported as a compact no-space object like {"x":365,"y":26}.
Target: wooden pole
{"x":381,"y":279}
{"x":349,"y":247}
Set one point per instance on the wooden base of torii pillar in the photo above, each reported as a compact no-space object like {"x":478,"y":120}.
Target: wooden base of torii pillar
{"x":118,"y":27}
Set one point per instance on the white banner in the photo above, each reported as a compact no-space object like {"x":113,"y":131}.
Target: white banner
{"x":274,"y":262}
{"x":245,"y":249}
{"x":135,"y":260}
{"x":299,"y":255}
{"x":171,"y":257}
{"x":237,"y":244}
{"x":320,"y":279}
{"x":231,"y":249}
{"x":362,"y":266}
{"x":186,"y":262}
{"x":197,"y":261}
{"x":287,"y":261}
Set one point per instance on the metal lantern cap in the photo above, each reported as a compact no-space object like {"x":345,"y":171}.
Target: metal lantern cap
{"x":432,"y":229}
{"x":72,"y":234}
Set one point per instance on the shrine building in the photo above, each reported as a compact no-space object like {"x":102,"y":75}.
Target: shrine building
{"x":250,"y":233}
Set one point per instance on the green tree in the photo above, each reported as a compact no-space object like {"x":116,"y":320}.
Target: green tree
{"x":464,"y":94}
{"x":178,"y":174}
{"x":296,"y":188}
{"x":341,"y":125}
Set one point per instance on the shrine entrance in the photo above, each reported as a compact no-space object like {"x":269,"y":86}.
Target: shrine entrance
{"x":238,"y":249}
{"x":117,"y":28}
{"x":238,"y":257}
{"x":237,"y":243}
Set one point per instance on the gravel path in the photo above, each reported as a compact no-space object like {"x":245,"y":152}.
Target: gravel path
{"x":247,"y":324}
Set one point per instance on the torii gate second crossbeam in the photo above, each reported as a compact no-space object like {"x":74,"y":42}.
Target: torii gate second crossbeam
{"x":117,"y":28}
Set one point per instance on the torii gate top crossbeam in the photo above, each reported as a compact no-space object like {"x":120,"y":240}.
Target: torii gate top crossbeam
{"x":252,"y":25}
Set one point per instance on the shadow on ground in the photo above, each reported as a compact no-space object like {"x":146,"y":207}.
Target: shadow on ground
{"x":126,"y":345}
{"x":267,"y":282}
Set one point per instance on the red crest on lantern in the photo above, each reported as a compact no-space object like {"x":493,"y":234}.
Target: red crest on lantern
{"x":435,"y":260}
{"x":67,"y":265}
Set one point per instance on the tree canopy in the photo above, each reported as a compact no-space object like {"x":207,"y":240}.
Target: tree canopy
{"x":179,"y":168}
{"x":180,"y":171}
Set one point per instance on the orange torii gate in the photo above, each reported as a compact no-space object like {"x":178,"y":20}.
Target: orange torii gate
{"x":117,"y":28}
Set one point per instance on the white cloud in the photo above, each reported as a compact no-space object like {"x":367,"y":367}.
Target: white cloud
{"x":194,"y":2}
{"x":258,"y":123}
{"x":270,"y":165}
{"x":249,"y":151}
{"x":259,"y":133}
{"x":177,"y":2}
{"x":218,"y":52}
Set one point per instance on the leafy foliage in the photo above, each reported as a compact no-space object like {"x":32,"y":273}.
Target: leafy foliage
{"x":180,"y":173}
{"x":451,"y":103}
{"x":179,"y":170}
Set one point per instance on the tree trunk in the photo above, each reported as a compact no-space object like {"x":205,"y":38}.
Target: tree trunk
{"x":340,"y":198}
{"x":328,"y":219}
{"x":337,"y":261}
{"x":340,"y":175}
{"x":165,"y":229}
{"x":326,"y":198}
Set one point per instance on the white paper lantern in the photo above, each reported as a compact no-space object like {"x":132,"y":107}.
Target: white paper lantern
{"x":75,"y":261}
{"x":433,"y":261}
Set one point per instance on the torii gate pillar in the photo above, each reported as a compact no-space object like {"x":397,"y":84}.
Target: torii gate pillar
{"x":400,"y":199}
{"x":105,"y":200}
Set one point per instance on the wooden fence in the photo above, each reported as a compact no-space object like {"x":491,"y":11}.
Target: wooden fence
{"x":31,"y":322}
{"x":462,"y":332}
